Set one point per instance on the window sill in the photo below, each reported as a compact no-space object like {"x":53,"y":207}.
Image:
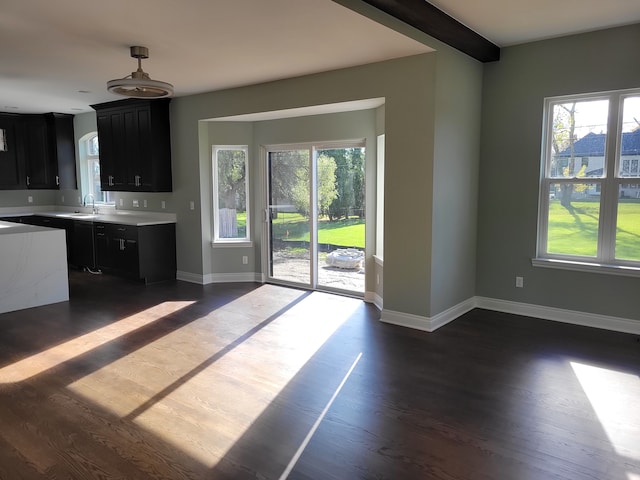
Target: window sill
{"x":621,"y":270}
{"x":239,"y":244}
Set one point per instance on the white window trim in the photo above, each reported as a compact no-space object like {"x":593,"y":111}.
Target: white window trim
{"x":605,"y":261}
{"x":229,"y":242}
{"x":86,"y":174}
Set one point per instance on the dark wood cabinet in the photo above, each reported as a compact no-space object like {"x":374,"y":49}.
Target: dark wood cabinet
{"x":39,"y":152}
{"x":83,"y":252}
{"x":123,"y":248}
{"x":11,"y":164}
{"x":41,"y":169}
{"x":135,"y":145}
{"x":62,"y":149}
{"x":145,"y":252}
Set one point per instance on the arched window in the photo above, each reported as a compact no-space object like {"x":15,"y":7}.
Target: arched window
{"x":90,"y":151}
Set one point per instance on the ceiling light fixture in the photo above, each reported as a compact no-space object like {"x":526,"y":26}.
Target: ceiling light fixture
{"x":138,"y":84}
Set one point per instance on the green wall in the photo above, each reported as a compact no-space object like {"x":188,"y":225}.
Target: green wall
{"x":407,"y":84}
{"x":455,"y":185}
{"x":512,"y":102}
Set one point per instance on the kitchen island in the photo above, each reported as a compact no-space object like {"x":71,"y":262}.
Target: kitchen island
{"x":33,"y":266}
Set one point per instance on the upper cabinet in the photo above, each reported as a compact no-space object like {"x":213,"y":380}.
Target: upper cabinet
{"x":62,"y":149}
{"x":41,"y":169}
{"x":11,"y":167}
{"x":135,"y":145}
{"x":39,"y":152}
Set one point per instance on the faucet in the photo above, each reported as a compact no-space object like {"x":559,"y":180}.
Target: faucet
{"x":93,"y":202}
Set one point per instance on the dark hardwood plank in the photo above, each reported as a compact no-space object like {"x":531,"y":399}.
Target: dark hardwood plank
{"x":182,"y":381}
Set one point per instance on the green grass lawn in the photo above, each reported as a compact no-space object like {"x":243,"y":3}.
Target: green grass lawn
{"x":576,"y":232}
{"x":346,"y":233}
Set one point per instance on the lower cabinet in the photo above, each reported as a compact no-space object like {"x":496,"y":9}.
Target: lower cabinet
{"x":146,"y":252}
{"x":83,"y":253}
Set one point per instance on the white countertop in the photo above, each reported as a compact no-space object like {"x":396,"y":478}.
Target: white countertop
{"x":120,"y":217}
{"x":124,"y":217}
{"x":10,"y":228}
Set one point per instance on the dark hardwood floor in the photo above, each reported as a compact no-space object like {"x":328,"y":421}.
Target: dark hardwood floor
{"x":247,"y":381}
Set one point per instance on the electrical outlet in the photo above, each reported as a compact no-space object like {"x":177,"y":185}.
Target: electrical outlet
{"x":245,"y":260}
{"x":192,"y":205}
{"x":163,"y":204}
{"x":136,"y":203}
{"x":30,"y":199}
{"x":144,"y":203}
{"x":519,"y":282}
{"x":122,"y":202}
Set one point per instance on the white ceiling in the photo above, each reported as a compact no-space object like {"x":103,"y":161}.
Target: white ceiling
{"x":510,"y":22}
{"x":53,"y":51}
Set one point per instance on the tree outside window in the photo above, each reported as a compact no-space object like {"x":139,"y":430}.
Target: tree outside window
{"x":231,"y":194}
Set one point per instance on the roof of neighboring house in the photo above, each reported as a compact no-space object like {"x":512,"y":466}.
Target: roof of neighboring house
{"x":592,"y":145}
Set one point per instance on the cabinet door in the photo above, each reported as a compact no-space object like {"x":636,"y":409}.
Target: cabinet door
{"x":41,"y":168}
{"x":82,"y":254}
{"x":62,"y":148}
{"x":102,"y":248}
{"x":133,"y":152}
{"x":124,"y":249}
{"x":11,"y":168}
{"x":112,"y":150}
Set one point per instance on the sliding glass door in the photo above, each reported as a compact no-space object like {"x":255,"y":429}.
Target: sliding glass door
{"x":316,"y":216}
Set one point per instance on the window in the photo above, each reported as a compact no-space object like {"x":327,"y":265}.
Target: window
{"x":380,"y":197}
{"x":91,"y":152}
{"x":589,"y":193}
{"x":230,"y":194}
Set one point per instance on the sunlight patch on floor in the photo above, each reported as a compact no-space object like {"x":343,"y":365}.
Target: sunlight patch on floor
{"x":614,"y":397}
{"x":202,"y":386}
{"x":64,"y":352}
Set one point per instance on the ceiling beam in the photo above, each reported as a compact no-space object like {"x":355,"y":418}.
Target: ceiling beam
{"x":434,"y":22}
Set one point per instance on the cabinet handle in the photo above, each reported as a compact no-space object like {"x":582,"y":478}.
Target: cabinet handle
{"x":110,"y":177}
{"x":28,"y":180}
{"x":137,"y":180}
{"x":57,"y":180}
{"x":122,"y":229}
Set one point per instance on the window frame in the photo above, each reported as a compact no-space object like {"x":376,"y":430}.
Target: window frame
{"x":89,"y":158}
{"x":215,"y":223}
{"x":610,"y":183}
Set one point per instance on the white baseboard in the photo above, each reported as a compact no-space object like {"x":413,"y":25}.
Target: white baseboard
{"x":373,"y":297}
{"x":573,"y":317}
{"x":248,"y":277}
{"x":430,"y":324}
{"x":427,"y":324}
{"x":190,"y":277}
{"x":219,"y":277}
